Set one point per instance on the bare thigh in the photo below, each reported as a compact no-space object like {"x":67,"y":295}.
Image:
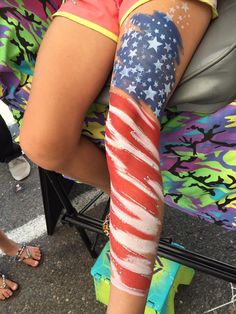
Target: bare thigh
{"x":72,"y":66}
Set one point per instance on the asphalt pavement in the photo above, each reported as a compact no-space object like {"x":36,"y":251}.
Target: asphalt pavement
{"x":62,"y":284}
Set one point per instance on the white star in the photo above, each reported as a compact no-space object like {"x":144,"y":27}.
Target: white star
{"x":150,"y":93}
{"x":124,"y":72}
{"x":134,"y":35}
{"x":134,"y":70}
{"x":158,"y":65}
{"x":167,"y":89}
{"x":154,"y":44}
{"x":148,"y":34}
{"x":167,"y":47}
{"x":161,"y":93}
{"x":139,"y":68}
{"x":133,"y":53}
{"x":156,"y":112}
{"x":162,"y":36}
{"x":185,"y":7}
{"x":125,"y":43}
{"x":131,"y":89}
{"x":163,"y":58}
{"x":168,"y":17}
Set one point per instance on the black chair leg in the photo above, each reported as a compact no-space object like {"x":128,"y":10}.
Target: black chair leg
{"x":55,"y":191}
{"x":52,"y":204}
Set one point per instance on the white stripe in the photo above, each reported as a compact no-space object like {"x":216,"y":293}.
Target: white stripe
{"x":28,"y":232}
{"x":136,"y":223}
{"x":156,"y":187}
{"x":136,"y":208}
{"x":142,"y":139}
{"x":142,"y":114}
{"x":116,"y":281}
{"x":137,"y":265}
{"x":118,"y":163}
{"x":133,"y":243}
{"x":138,"y":133}
{"x":138,"y":184}
{"x":122,"y":172}
{"x":149,"y":226}
{"x":121,"y":142}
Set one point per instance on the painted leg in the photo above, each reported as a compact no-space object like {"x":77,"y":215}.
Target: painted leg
{"x":136,"y":193}
{"x":156,"y":44}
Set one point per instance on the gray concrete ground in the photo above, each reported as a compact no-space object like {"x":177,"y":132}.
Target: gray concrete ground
{"x":62,"y":284}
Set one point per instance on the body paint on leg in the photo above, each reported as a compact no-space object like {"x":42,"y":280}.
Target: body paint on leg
{"x":144,"y":73}
{"x":145,"y":65}
{"x":136,"y":193}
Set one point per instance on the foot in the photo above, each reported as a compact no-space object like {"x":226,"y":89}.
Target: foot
{"x":7,"y":287}
{"x":31,"y":255}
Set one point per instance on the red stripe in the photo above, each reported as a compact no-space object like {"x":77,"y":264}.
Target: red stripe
{"x":121,"y":251}
{"x":125,"y":227}
{"x":139,"y":170}
{"x":131,"y":279}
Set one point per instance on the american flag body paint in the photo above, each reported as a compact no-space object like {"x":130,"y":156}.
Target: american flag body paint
{"x":146,"y":60}
{"x":144,"y":73}
{"x":136,"y":193}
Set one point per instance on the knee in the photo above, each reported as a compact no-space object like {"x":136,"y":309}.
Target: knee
{"x":47,"y":151}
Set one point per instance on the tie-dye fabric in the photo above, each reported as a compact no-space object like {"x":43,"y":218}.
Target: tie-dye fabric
{"x":198,"y":155}
{"x":22,"y":26}
{"x":198,"y":150}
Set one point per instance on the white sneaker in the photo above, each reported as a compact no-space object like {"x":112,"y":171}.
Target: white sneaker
{"x":19,"y":168}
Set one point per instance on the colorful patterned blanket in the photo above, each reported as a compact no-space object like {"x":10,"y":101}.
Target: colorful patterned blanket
{"x":198,"y":151}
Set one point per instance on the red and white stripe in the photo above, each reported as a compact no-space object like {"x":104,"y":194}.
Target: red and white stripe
{"x":132,"y":143}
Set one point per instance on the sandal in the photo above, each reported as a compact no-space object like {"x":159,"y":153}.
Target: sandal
{"x":7,"y":288}
{"x":4,"y":283}
{"x":19,"y":257}
{"x":24,"y":254}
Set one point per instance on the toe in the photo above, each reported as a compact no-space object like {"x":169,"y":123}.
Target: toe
{"x":7,"y":293}
{"x":35,"y":252}
{"x":31,"y":262}
{"x":1,"y":295}
{"x":37,"y":257}
{"x":12,"y":285}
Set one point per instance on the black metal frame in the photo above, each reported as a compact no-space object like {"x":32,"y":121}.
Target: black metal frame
{"x":55,"y":197}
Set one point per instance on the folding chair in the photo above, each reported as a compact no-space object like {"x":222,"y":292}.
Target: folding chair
{"x":207,"y":86}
